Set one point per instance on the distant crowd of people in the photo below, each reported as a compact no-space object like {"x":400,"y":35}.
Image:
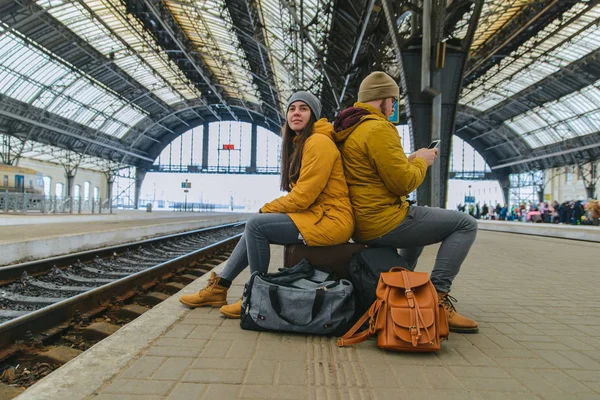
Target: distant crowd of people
{"x":573,"y":212}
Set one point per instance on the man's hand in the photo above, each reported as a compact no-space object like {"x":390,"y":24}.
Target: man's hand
{"x":429,"y":155}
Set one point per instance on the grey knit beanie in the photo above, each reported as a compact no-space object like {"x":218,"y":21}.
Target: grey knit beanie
{"x":378,"y":85}
{"x":309,"y":99}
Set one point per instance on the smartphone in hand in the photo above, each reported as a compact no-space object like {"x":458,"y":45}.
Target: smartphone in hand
{"x":434,"y":144}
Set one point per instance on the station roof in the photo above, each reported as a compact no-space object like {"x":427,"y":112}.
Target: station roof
{"x":117,"y":80}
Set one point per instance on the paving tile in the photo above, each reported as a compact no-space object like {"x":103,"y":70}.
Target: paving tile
{"x":474,"y":356}
{"x":451,"y":357}
{"x":581,"y":359}
{"x":477,"y":395}
{"x":139,"y":387}
{"x":173,"y":369}
{"x":177,"y":342}
{"x":387,"y":394}
{"x":446,"y":394}
{"x":504,"y":342}
{"x":180,"y":331}
{"x":126,"y":397}
{"x":535,"y":382}
{"x":241,"y":349}
{"x":219,"y":363}
{"x":380,"y":376}
{"x":291,"y":373}
{"x":261,"y":372}
{"x":557,"y":359}
{"x":166,"y":351}
{"x":493,"y":384}
{"x":574,"y":343}
{"x":563,"y":381}
{"x":201,"y":332}
{"x":280,"y":351}
{"x":187,"y":391}
{"x":221,"y":391}
{"x":216,"y":349}
{"x":273,"y":392}
{"x":232,"y":376}
{"x":143,"y":367}
{"x":479,"y":372}
{"x":441,"y":378}
{"x":582,"y":376}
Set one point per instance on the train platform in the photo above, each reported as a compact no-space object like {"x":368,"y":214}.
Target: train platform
{"x":535,"y":299}
{"x":30,"y":237}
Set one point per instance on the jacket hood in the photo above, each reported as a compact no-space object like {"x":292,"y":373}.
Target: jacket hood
{"x":324,"y":127}
{"x":351,"y":117}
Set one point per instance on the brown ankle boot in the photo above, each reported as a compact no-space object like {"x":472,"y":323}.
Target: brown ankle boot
{"x":213,"y":294}
{"x":456,"y":322}
{"x":232,"y":310}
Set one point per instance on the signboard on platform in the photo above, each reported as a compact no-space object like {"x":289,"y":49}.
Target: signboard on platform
{"x":228,"y":146}
{"x":469,"y":199}
{"x":186,"y":185}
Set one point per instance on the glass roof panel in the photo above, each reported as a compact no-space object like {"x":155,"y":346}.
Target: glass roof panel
{"x":570,"y":116}
{"x":495,"y":14}
{"x":292,"y":58}
{"x":209,"y":27}
{"x":553,"y":48}
{"x":30,"y":75}
{"x":105,"y":25}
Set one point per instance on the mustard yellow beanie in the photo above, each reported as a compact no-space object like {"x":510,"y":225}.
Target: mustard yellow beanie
{"x":377,"y":85}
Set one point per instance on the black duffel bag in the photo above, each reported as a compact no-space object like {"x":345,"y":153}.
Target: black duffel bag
{"x":364,"y":269}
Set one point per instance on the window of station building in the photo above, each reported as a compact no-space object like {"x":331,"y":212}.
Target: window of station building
{"x":568,"y":174}
{"x":58,"y":190}
{"x":96,"y":193}
{"x":31,"y":184}
{"x":47,"y":182}
{"x":5,"y":181}
{"x":86,"y":191}
{"x":76,"y":191}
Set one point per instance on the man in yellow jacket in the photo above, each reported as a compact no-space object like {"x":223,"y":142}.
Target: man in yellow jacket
{"x":380,"y":176}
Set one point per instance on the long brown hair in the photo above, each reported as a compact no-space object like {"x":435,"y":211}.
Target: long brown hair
{"x":291,"y":152}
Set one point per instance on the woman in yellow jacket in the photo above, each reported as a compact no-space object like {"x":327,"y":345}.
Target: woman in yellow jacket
{"x":316,"y":210}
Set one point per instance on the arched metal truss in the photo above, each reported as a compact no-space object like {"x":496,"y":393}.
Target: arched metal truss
{"x":119,"y":79}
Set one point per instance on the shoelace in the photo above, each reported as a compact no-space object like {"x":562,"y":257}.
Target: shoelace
{"x":448,"y":300}
{"x":211,"y":284}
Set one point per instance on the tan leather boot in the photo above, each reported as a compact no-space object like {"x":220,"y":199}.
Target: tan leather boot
{"x":212,"y":295}
{"x":456,"y":322}
{"x":232,"y":310}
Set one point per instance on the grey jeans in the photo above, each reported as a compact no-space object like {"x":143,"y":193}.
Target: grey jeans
{"x":427,"y":225}
{"x":253,"y":248}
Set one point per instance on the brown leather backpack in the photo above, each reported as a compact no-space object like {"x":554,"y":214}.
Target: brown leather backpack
{"x":406,"y":315}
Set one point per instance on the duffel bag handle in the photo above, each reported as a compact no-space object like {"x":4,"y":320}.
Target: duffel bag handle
{"x":316,"y":308}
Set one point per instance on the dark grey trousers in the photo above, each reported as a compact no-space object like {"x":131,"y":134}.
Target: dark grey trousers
{"x":428,"y":225}
{"x":253,"y":248}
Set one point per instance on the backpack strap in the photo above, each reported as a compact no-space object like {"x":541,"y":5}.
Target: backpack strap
{"x":417,"y":316}
{"x":350,"y":337}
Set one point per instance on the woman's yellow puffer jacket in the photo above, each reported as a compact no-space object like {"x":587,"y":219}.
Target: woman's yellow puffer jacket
{"x":318,"y":203}
{"x":378,"y":173}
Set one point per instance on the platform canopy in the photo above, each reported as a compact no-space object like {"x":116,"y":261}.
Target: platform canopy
{"x":117,"y":80}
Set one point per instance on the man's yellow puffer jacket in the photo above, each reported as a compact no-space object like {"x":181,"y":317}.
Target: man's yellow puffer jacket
{"x":378,"y":173}
{"x":318,"y":203}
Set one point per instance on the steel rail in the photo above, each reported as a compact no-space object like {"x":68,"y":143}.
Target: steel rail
{"x":42,"y":320}
{"x":33,"y":268}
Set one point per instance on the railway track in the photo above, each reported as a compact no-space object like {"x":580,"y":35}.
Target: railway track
{"x":39,"y":300}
